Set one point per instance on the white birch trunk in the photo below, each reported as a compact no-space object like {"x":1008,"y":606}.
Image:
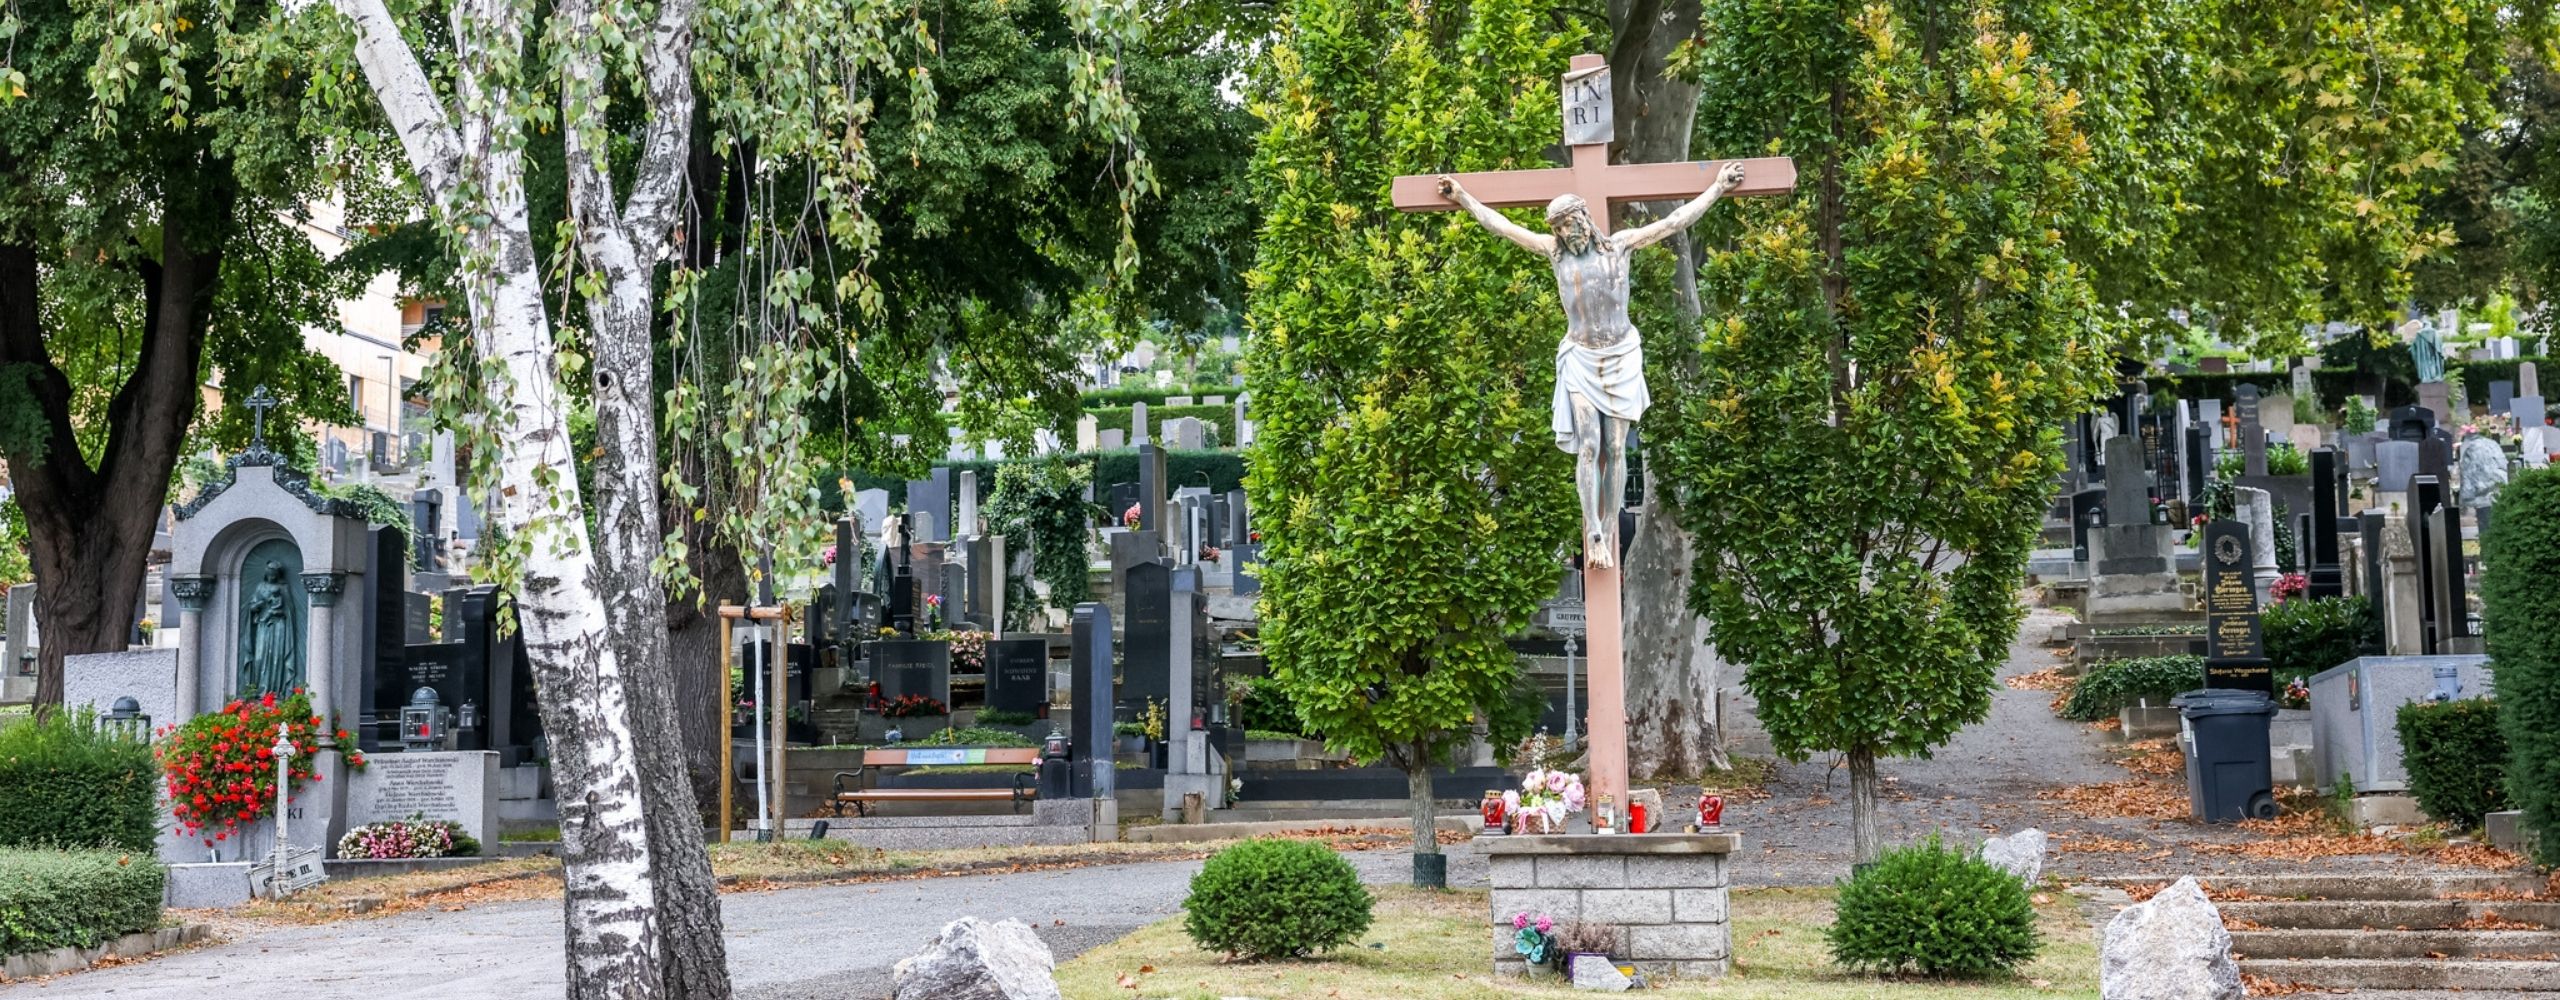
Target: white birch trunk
{"x":613,"y":941}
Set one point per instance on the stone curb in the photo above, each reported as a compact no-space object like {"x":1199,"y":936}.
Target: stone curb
{"x":1182,"y":834}
{"x":61,"y":960}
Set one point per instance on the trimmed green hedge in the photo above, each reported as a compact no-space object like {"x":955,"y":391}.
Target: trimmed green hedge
{"x":1123,"y":395}
{"x":75,"y":899}
{"x":1275,"y":899}
{"x":1224,"y":470}
{"x":1219,"y":418}
{"x":2112,"y":684}
{"x":2456,"y":758}
{"x":2520,"y":591}
{"x":2476,"y":375}
{"x":66,"y":783}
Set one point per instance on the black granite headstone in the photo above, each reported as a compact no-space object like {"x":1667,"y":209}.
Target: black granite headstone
{"x":912,"y":666}
{"x":2199,"y":460}
{"x":1123,"y":497}
{"x":2369,"y":525}
{"x":2426,"y":493}
{"x":1018,"y":674}
{"x":2328,"y":506}
{"x":1151,"y":488}
{"x":2235,"y":652}
{"x":385,"y":624}
{"x":1248,"y":559}
{"x":902,"y":601}
{"x":2088,"y":511}
{"x":1090,"y":667}
{"x":1145,"y":659}
{"x":2412,"y":423}
{"x":2253,"y":435}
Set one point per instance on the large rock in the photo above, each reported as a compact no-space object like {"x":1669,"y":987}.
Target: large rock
{"x":2020,"y":854}
{"x":977,"y":960}
{"x":2171,"y":948}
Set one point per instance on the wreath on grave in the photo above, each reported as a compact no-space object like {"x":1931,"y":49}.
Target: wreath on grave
{"x":220,"y":767}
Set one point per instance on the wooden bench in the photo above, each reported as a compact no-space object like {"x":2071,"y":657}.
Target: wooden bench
{"x":1025,"y":783}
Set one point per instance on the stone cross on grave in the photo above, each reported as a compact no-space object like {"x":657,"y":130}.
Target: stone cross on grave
{"x":259,"y":402}
{"x":1600,"y":389}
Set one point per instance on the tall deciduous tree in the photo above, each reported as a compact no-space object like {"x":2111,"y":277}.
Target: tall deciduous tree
{"x":1866,"y":441}
{"x":1401,"y":369}
{"x":142,"y":253}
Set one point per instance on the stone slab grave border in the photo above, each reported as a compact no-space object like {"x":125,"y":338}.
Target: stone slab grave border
{"x":1665,"y":893}
{"x":225,"y":884}
{"x":57,"y":961}
{"x":1054,"y":821}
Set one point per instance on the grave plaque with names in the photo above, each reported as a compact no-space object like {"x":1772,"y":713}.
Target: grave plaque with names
{"x":2253,"y":437}
{"x":912,"y":666}
{"x":1146,"y":657}
{"x":1089,"y":669}
{"x":2235,"y":653}
{"x":1017,"y":675}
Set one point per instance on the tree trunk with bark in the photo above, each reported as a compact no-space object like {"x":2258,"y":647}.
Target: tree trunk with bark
{"x":1426,"y":819}
{"x":600,"y":690}
{"x":1671,"y":672}
{"x":1863,"y":836}
{"x":89,"y":530}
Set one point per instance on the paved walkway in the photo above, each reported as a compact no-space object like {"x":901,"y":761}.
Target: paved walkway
{"x":832,"y":942}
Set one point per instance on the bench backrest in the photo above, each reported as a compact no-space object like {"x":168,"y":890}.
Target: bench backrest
{"x":928,"y":756}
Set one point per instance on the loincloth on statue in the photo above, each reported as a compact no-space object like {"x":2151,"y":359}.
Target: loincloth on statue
{"x":1610,"y":378}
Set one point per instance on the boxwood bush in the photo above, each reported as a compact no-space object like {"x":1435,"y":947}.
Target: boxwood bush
{"x":2456,"y":758}
{"x":2305,"y":637}
{"x":1275,"y":899}
{"x":2520,"y":590}
{"x":64,"y":782}
{"x":1934,"y":911}
{"x":75,"y":899}
{"x":2113,"y":684}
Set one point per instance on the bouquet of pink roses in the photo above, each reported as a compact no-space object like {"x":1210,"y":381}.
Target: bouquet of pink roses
{"x":1556,"y":793}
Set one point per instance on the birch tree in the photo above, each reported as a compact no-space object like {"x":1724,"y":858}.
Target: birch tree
{"x":555,"y":345}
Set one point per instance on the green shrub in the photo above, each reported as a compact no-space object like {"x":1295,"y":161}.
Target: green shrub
{"x":1931,"y":910}
{"x":979,"y":736}
{"x":1154,"y":396}
{"x":2113,"y":684}
{"x":2520,"y":589}
{"x":2457,"y":759}
{"x":1275,"y":899}
{"x":2305,"y":637}
{"x":64,"y":782}
{"x":1000,"y":717}
{"x":75,"y":899}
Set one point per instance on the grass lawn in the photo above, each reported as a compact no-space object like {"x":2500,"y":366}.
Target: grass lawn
{"x":1435,"y":946}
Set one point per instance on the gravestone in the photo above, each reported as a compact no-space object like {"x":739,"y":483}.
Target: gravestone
{"x":2328,"y":506}
{"x":872,"y":506}
{"x":2538,"y":444}
{"x":21,"y":649}
{"x":2209,"y":417}
{"x":2502,"y":396}
{"x":905,"y":667}
{"x":2412,"y":423}
{"x":1088,"y":432}
{"x":965,"y":524}
{"x":1151,"y":487}
{"x":1089,"y":645}
{"x":2088,"y":513}
{"x":2529,"y":410}
{"x":1248,"y":556}
{"x":1123,"y":497}
{"x":459,"y":786}
{"x":1138,"y":426}
{"x":2395,"y":461}
{"x":2253,"y":437}
{"x":2135,"y":577}
{"x":1018,"y":675}
{"x":2275,"y":413}
{"x":2235,"y":654}
{"x":930,"y":497}
{"x":1186,"y":433}
{"x":2199,"y":461}
{"x":385,"y":614}
{"x":1239,"y":520}
{"x":1243,"y":426}
{"x":1112,"y":439}
{"x":2528,"y":379}
{"x":1145,"y":659}
{"x":2360,"y":453}
{"x":2437,"y":398}
{"x":1191,"y":767}
{"x":1172,"y":401}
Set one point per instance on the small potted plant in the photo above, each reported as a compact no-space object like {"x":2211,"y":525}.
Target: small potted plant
{"x":1582,"y":942}
{"x":1533,"y":937}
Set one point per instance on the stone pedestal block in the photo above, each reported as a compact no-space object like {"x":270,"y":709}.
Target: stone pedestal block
{"x":1663,"y":894}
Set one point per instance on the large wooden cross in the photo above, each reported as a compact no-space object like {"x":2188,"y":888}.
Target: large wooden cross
{"x":1588,"y":129}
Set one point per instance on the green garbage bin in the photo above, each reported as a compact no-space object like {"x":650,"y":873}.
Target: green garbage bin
{"x":2230,"y":770}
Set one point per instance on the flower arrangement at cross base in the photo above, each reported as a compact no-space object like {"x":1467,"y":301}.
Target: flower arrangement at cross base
{"x":1545,"y":799}
{"x":2289,"y":586}
{"x":2296,"y":695}
{"x":1533,"y":937}
{"x":912,"y":706}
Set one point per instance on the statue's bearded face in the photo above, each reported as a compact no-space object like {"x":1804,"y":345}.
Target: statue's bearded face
{"x":1574,"y":230}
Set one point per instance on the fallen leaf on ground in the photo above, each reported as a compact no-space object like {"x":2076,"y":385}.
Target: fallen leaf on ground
{"x":2489,"y":920}
{"x":2136,"y":799}
{"x":2092,"y":843}
{"x":2049,"y":679}
{"x":2261,"y":986}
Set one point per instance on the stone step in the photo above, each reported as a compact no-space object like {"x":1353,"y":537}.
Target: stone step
{"x":2493,"y":977}
{"x":2380,"y":914}
{"x":2362,"y":886}
{"x":2394,"y":944}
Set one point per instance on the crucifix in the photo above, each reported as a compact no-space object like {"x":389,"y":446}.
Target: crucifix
{"x":259,"y":402}
{"x":1600,"y":388}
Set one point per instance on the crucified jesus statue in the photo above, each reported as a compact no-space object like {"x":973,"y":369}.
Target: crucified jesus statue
{"x":1600,"y":388}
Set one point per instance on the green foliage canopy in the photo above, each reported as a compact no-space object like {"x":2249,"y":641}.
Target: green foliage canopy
{"x":1413,"y":507}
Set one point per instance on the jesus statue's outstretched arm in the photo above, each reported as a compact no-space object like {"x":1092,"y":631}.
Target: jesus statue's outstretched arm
{"x":1539,"y":243}
{"x":1687,"y":214}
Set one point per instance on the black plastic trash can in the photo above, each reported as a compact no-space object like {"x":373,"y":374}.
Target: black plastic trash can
{"x":2230,"y":771}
